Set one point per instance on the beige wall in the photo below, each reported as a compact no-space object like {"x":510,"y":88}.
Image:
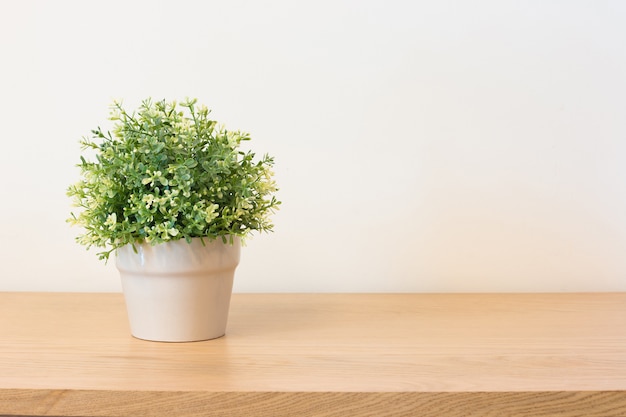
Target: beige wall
{"x":420,"y":145}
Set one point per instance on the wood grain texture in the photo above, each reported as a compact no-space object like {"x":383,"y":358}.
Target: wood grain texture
{"x":315,"y":404}
{"x":322,"y":355}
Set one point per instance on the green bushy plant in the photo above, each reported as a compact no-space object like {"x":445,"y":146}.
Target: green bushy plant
{"x":169,"y":172}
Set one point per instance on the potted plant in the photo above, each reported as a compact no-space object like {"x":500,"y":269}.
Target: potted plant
{"x":170,"y":192}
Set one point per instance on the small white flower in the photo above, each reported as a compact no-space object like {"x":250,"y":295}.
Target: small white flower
{"x":111,"y":221}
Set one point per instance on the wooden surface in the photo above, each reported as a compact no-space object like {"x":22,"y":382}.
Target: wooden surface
{"x":322,"y":355}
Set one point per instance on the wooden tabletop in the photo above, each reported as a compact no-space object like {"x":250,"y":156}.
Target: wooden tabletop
{"x":322,"y":355}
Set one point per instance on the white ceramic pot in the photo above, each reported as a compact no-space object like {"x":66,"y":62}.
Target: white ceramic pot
{"x":178,"y":291}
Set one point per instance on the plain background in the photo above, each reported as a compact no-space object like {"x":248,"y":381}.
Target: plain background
{"x":420,"y":145}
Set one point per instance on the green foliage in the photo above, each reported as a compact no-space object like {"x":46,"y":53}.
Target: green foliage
{"x":168,"y":172}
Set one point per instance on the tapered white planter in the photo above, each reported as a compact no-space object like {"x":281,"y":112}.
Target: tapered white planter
{"x":178,"y":291}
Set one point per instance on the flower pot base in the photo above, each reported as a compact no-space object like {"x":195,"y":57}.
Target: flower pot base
{"x":178,"y":292}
